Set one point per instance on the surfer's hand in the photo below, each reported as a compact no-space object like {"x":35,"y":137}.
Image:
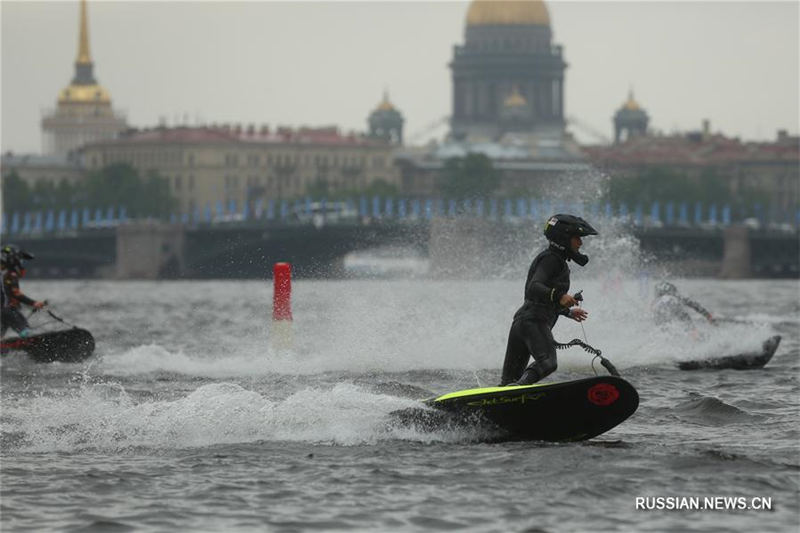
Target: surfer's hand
{"x":567,"y":301}
{"x":578,"y":314}
{"x":39,"y":305}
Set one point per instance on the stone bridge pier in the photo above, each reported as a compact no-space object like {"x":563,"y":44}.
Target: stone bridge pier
{"x":149,"y":250}
{"x":736,"y":258}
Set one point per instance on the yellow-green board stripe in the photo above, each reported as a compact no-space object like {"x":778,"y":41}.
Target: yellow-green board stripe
{"x":485,"y":390}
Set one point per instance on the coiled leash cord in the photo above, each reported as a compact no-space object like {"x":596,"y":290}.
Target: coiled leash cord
{"x":592,"y":350}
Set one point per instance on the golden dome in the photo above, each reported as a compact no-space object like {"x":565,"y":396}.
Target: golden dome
{"x":84,"y":94}
{"x":515,"y":99}
{"x":631,"y":104}
{"x":385,"y":104}
{"x":511,"y":12}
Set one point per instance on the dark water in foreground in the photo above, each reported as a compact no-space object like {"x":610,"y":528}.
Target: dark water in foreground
{"x":186,"y":419}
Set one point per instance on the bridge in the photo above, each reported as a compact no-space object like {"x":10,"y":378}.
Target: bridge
{"x":156,"y":250}
{"x":316,"y":235}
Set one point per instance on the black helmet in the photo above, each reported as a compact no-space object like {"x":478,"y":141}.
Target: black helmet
{"x":12,"y":258}
{"x":561,"y":228}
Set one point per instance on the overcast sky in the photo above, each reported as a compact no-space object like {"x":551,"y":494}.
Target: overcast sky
{"x":320,"y":63}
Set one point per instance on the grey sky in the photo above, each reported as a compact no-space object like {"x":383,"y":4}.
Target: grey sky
{"x":319,"y":63}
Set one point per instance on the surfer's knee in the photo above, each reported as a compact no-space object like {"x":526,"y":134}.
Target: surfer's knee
{"x":547,"y":365}
{"x":537,"y":370}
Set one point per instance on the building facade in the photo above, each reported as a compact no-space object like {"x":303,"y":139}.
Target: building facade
{"x":207,"y":165}
{"x":771,"y":168}
{"x":34,"y":168}
{"x":83,"y":110}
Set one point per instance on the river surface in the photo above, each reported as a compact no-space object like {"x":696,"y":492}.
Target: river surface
{"x":189,"y":418}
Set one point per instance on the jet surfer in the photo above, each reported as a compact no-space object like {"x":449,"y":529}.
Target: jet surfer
{"x":670,"y":306}
{"x":546,"y":297}
{"x":12,"y":264}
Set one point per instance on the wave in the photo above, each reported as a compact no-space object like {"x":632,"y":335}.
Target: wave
{"x":106,"y":416}
{"x":708,"y":410}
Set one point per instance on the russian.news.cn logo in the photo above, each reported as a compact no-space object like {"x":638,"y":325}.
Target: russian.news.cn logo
{"x":707,"y":503}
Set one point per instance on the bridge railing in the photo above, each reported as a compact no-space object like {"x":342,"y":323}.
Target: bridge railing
{"x":404,"y":209}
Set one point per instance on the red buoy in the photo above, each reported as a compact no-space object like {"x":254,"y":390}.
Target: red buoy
{"x":282,"y":294}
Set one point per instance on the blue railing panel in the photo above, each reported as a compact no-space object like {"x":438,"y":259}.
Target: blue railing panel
{"x":390,"y":207}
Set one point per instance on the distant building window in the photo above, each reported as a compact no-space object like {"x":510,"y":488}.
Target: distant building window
{"x":178,"y":183}
{"x":191,"y":182}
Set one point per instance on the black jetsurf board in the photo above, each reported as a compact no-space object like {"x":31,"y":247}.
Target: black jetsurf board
{"x":65,"y":346}
{"x":566,"y":411}
{"x":742,"y":361}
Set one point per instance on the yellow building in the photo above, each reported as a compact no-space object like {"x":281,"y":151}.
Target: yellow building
{"x":207,"y":165}
{"x":83,"y":110}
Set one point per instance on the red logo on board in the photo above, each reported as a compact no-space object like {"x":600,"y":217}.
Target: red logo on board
{"x":603,"y":394}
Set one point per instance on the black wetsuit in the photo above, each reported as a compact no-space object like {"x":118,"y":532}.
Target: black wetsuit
{"x":12,"y":297}
{"x":530,"y":334}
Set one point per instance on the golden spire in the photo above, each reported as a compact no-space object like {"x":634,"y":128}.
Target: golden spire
{"x":83,"y":44}
{"x":84,"y":88}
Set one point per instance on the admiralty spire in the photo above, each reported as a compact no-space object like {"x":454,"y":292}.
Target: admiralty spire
{"x":83,"y":112}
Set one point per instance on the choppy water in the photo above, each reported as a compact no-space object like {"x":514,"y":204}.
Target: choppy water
{"x":187,"y":420}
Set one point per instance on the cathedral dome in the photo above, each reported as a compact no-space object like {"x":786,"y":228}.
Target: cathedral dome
{"x":515,"y":99}
{"x":631,"y":104}
{"x":507,"y":12}
{"x":385,"y":104}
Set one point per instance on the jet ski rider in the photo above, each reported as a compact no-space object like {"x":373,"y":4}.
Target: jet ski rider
{"x":671,"y":306}
{"x":11,"y":262}
{"x":546,"y":297}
